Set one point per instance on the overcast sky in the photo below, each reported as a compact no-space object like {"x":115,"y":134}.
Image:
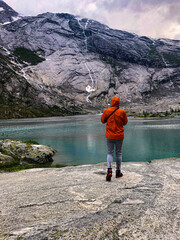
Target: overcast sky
{"x":154,"y":18}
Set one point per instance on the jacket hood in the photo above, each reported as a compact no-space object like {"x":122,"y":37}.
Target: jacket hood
{"x":115,"y":102}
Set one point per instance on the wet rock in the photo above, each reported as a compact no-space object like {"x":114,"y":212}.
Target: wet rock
{"x":77,"y":202}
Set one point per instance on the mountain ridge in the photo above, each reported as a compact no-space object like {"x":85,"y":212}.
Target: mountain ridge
{"x":86,"y":63}
{"x":7,"y":14}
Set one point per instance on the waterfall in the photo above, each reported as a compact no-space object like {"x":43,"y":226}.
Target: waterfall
{"x":166,"y":65}
{"x":7,"y":51}
{"x":89,"y":88}
{"x":15,"y":62}
{"x":23,"y":74}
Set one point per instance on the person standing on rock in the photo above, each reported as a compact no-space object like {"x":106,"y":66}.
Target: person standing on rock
{"x":116,"y":119}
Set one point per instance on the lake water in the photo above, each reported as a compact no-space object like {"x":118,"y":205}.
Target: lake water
{"x":81,"y":139}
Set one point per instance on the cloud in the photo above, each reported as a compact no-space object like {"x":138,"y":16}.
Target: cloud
{"x":154,"y":18}
{"x":135,"y":5}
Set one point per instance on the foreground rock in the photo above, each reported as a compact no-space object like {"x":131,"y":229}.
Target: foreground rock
{"x":4,"y":159}
{"x":26,"y":152}
{"x":77,"y":203}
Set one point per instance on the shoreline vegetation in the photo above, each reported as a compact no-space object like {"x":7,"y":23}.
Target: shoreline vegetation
{"x":171,"y":113}
{"x":17,"y":167}
{"x":22,"y":113}
{"x":18,"y":155}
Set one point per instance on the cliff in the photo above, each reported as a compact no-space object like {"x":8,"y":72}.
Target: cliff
{"x":77,"y":64}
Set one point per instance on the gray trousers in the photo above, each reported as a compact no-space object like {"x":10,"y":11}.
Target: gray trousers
{"x":111,"y":143}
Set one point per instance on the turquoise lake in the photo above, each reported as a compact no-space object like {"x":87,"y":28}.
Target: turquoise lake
{"x":81,"y":139}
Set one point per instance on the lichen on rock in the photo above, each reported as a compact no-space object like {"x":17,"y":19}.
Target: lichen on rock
{"x":27,"y":152}
{"x":5,"y":159}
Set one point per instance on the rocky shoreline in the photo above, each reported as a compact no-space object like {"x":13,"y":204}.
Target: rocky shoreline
{"x":130,"y":112}
{"x":15,"y":153}
{"x":77,"y":202}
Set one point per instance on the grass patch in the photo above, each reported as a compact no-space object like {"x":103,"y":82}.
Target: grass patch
{"x":155,"y":57}
{"x":30,"y":142}
{"x":119,"y":67}
{"x":17,"y":168}
{"x":109,"y":61}
{"x":26,"y":55}
{"x":9,"y":165}
{"x":16,"y":159}
{"x":153,"y":52}
{"x":172,"y":59}
{"x":170,"y":113}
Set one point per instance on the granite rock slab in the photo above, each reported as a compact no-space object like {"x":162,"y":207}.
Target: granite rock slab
{"x":77,"y":202}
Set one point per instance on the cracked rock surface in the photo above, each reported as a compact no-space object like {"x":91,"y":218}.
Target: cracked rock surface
{"x":77,"y":202}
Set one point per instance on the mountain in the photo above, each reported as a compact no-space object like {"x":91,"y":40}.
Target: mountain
{"x":7,"y":14}
{"x":20,"y":98}
{"x":75,"y":65}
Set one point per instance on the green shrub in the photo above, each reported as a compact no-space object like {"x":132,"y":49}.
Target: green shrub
{"x":19,"y":167}
{"x":30,"y":142}
{"x":155,"y":115}
{"x":154,"y":53}
{"x":114,"y":64}
{"x":171,"y":110}
{"x":167,"y":113}
{"x":172,"y":59}
{"x":24,"y":54}
{"x":145,"y":114}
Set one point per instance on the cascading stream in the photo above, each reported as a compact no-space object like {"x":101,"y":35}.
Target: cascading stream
{"x":89,"y":88}
{"x":23,"y":74}
{"x":15,"y":62}
{"x":166,"y":65}
{"x":7,"y":51}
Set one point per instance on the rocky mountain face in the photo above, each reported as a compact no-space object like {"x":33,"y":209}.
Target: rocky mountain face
{"x":21,"y":98}
{"x":76,"y":65}
{"x":7,"y":14}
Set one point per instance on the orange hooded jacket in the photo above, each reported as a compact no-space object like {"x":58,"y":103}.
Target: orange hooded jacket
{"x":114,"y":127}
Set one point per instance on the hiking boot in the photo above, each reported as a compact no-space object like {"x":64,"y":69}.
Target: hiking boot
{"x":118,"y":174}
{"x":109,"y":174}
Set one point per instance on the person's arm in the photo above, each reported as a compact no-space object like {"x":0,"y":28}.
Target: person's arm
{"x":125,"y":120}
{"x":103,"y":117}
